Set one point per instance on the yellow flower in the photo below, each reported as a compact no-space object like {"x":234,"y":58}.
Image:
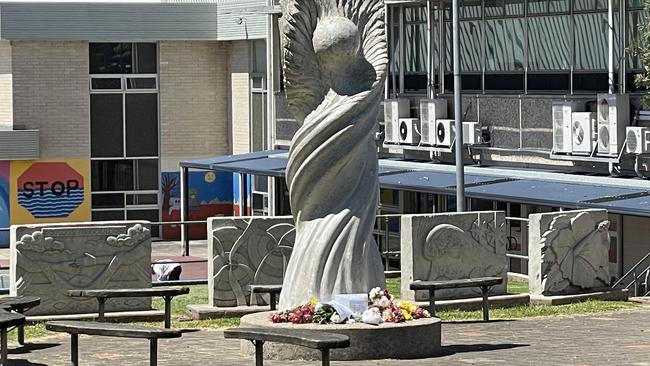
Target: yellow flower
{"x":406,"y":314}
{"x":408,"y":306}
{"x":314,"y":300}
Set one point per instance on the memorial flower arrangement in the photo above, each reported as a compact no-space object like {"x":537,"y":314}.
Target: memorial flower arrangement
{"x":383,"y":307}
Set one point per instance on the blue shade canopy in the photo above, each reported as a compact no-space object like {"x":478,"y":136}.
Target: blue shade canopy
{"x":618,"y":195}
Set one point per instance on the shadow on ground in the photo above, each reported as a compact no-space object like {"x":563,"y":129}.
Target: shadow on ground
{"x":447,"y":322}
{"x":29,"y":347}
{"x":480,"y":347}
{"x":25,"y":363}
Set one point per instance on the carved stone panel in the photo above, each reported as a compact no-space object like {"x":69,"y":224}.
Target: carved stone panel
{"x":247,"y":251}
{"x":568,"y":251}
{"x":50,"y":259}
{"x":451,"y":246}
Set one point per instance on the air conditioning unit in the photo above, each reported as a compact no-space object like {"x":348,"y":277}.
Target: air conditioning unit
{"x":613,"y":118}
{"x":562,"y":124}
{"x":583,"y":133}
{"x":431,"y":110}
{"x":408,"y":134}
{"x":638,"y":140}
{"x":444,"y":132}
{"x":471,"y":133}
{"x":394,"y":109}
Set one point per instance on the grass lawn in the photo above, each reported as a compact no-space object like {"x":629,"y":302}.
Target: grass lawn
{"x":199,"y":295}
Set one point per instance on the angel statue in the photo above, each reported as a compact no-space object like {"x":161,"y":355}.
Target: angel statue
{"x":334,"y":61}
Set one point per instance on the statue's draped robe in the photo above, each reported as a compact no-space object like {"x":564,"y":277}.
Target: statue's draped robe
{"x":332,"y":169}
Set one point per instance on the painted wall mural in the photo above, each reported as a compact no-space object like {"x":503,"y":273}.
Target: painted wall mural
{"x":4,"y":203}
{"x":49,"y":191}
{"x":210,"y":194}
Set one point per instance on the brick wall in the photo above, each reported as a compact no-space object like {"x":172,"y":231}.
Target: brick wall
{"x":6,"y":86}
{"x":240,"y":87}
{"x":50,"y":93}
{"x":193,"y":101}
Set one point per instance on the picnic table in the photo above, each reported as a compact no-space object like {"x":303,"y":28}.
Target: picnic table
{"x":483,"y":282}
{"x":19,"y":304}
{"x":166,"y":293}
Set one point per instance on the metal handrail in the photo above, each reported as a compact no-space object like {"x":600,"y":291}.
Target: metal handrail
{"x":633,"y":272}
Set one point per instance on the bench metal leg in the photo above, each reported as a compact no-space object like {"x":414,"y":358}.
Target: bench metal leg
{"x":486,"y":304}
{"x":272,"y":301}
{"x":3,"y":340}
{"x":168,"y":311}
{"x":74,"y":349}
{"x":432,"y":302}
{"x":259,"y":353}
{"x":153,"y":352}
{"x":325,"y":357}
{"x":21,"y":334}
{"x":100,"y":303}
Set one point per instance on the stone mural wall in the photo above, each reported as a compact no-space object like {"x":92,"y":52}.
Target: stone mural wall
{"x":47,"y":260}
{"x":569,"y":252}
{"x":246,"y":251}
{"x":453,"y":246}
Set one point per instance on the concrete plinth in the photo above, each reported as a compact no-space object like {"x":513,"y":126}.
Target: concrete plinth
{"x":413,"y":339}
{"x":605,"y":294}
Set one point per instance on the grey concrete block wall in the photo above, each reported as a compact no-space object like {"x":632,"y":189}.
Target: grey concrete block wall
{"x":47,"y":260}
{"x":50,"y":94}
{"x":450,"y":246}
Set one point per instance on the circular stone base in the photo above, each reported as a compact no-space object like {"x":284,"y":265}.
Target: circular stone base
{"x":413,"y":339}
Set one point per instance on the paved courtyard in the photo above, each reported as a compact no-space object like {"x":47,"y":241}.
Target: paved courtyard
{"x":618,"y":338}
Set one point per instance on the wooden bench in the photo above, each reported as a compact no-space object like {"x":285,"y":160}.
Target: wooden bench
{"x":74,"y":328}
{"x":19,"y":304}
{"x":272,"y":290}
{"x":483,"y":282}
{"x":322,"y":341}
{"x":7,"y":320}
{"x":167,"y":293}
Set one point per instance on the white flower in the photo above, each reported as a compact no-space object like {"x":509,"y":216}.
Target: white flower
{"x":426,"y":314}
{"x":351,"y":321}
{"x":375,"y":293}
{"x":384,"y":302}
{"x":335,"y":318}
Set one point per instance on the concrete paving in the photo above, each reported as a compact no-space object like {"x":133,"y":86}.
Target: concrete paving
{"x":617,"y":338}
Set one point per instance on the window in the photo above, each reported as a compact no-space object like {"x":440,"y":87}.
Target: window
{"x":124,"y":131}
{"x":258,"y":124}
{"x":123,"y":58}
{"x":510,"y":46}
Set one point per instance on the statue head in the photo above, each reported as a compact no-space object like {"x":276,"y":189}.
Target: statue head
{"x":337,"y":43}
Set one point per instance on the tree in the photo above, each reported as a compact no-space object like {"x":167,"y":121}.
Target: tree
{"x":169,"y":182}
{"x":640,"y":47}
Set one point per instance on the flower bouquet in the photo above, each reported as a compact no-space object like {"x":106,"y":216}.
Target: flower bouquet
{"x":383,"y":308}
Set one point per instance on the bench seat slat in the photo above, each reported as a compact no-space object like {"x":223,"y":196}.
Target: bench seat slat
{"x":110,"y":329}
{"x":469,"y":282}
{"x":305,"y":338}
{"x":266,"y":289}
{"x":131,"y":292}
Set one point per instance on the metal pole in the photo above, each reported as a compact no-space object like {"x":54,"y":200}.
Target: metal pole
{"x":430,"y":77}
{"x":610,"y":45}
{"x":185,"y":203}
{"x":270,"y":91}
{"x":460,"y":168}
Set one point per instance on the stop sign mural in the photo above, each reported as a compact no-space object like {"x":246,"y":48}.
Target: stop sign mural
{"x":50,"y":190}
